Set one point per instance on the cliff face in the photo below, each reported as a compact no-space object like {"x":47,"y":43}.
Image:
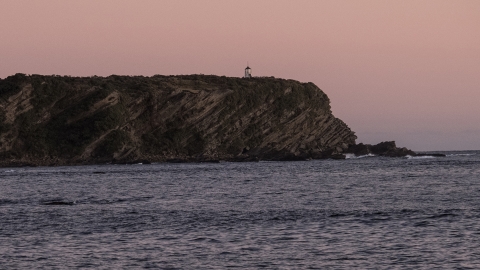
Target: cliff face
{"x":57,"y":120}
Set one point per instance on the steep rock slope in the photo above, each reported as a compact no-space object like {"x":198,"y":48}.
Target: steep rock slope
{"x":54,"y":120}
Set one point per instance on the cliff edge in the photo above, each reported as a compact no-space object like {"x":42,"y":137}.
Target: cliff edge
{"x":61,"y":120}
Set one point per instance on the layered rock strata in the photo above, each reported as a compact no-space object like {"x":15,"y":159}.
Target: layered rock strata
{"x":55,"y":120}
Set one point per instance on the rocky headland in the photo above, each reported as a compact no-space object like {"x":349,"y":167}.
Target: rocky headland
{"x":62,"y":120}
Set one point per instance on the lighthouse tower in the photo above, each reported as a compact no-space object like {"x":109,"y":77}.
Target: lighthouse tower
{"x":248,"y":72}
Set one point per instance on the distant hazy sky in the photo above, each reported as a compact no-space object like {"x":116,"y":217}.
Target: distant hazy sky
{"x":406,"y":70}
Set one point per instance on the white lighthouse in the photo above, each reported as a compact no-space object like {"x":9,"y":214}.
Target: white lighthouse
{"x":248,"y":72}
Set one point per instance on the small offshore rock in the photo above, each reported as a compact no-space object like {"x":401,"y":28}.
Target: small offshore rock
{"x":338,"y":156}
{"x":430,"y":155}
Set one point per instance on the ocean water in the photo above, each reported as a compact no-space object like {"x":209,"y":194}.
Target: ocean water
{"x":363,"y":213}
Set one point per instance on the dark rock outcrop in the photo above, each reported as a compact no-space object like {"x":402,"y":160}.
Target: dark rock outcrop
{"x":55,"y":120}
{"x":387,"y":149}
{"x":430,"y":155}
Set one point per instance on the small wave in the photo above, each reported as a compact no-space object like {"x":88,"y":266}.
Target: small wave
{"x":454,"y":155}
{"x":120,"y":200}
{"x":353,"y":156}
{"x":419,"y":157}
{"x":9,"y":171}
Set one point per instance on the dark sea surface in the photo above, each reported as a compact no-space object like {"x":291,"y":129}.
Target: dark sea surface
{"x":364,"y":213}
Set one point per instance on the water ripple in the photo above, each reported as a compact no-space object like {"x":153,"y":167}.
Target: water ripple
{"x":373,"y":212}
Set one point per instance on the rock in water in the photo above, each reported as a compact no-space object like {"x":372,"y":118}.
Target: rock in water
{"x":388,"y":149}
{"x":83,"y":120}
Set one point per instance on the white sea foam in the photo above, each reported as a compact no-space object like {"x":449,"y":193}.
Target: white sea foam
{"x":420,"y":157}
{"x":353,"y":156}
{"x":454,"y":155}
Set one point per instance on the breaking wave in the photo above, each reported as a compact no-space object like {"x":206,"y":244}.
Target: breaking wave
{"x":419,"y":157}
{"x":353,"y":156}
{"x":454,"y":155}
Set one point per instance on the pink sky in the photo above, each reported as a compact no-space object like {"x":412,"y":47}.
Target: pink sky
{"x":405,"y":70}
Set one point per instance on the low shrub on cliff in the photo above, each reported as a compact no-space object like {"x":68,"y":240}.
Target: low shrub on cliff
{"x":112,"y":143}
{"x":71,"y":138}
{"x":4,"y":127}
{"x":174,"y":140}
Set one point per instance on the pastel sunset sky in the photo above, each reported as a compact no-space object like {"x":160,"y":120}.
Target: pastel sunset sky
{"x":406,"y":70}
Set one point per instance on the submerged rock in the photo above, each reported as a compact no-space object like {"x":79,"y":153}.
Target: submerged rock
{"x":57,"y":202}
